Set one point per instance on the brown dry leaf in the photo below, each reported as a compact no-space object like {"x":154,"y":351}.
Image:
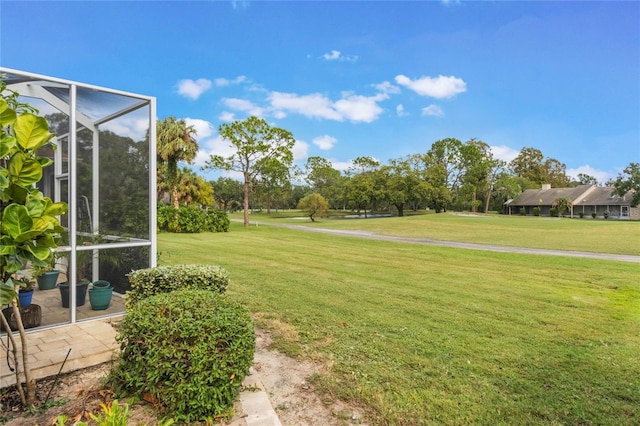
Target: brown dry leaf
{"x":150,"y":398}
{"x":105,"y":393}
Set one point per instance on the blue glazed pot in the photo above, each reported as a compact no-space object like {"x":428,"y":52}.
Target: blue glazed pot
{"x":25,"y":297}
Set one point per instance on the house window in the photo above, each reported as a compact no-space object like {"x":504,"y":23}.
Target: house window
{"x":624,"y":211}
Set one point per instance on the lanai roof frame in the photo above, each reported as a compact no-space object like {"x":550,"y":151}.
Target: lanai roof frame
{"x":94,"y":108}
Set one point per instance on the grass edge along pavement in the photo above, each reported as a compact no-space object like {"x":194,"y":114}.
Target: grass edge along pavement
{"x":422,"y":334}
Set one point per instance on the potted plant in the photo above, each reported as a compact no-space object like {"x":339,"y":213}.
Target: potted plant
{"x":82,"y":283}
{"x":84,"y":259}
{"x":45,"y":275}
{"x":25,"y":294}
{"x":30,"y":313}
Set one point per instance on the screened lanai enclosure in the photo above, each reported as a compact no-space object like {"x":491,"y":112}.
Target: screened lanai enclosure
{"x":104,"y":168}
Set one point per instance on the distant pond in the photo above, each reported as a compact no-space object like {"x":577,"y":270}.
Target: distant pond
{"x":362,"y":216}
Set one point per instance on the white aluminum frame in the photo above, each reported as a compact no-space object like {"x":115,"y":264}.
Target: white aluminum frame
{"x":32,"y":87}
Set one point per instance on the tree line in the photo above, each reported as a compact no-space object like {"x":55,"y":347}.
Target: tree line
{"x":450,"y":175}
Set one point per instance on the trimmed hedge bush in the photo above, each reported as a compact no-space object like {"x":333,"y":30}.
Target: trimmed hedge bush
{"x":191,"y":220}
{"x":164,"y":279}
{"x":189,"y":350}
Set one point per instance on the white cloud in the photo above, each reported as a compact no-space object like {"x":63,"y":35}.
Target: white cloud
{"x":387,"y":87}
{"x":201,"y":158}
{"x":134,"y":128}
{"x":600,"y":175}
{"x":193,"y":88}
{"x":213,"y":146}
{"x":227,"y":117}
{"x":314,"y":105}
{"x":325,"y":142}
{"x":504,"y":153}
{"x":244,"y":105}
{"x":300,"y":150}
{"x":400,"y":111}
{"x":336,"y":55}
{"x":359,"y":108}
{"x":204,"y":129}
{"x":341,"y":165}
{"x":438,"y":87}
{"x":279,"y":114}
{"x":351,"y":107}
{"x":222,"y":82}
{"x":433,"y":110}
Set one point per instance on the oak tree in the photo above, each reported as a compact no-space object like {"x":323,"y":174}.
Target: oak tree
{"x":627,"y":181}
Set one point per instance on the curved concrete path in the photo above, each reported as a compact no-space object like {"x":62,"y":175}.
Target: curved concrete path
{"x":455,"y":244}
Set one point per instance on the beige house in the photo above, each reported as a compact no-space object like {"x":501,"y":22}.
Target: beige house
{"x":586,"y":199}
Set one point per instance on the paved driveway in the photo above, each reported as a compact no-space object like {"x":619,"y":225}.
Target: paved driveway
{"x":470,"y":246}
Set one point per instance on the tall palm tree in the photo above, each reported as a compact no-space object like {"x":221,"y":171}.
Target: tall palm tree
{"x":176,"y":143}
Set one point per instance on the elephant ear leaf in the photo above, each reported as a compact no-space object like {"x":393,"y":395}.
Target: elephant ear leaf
{"x":16,"y":220}
{"x":45,"y":162}
{"x":7,"y":145}
{"x":35,"y":203}
{"x":7,"y":115}
{"x":25,"y":171}
{"x":4,"y":178}
{"x":54,"y":209}
{"x":39,"y":252}
{"x":32,"y":131}
{"x":7,"y":292}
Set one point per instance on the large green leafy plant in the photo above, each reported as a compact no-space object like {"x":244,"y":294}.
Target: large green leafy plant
{"x":29,"y":224}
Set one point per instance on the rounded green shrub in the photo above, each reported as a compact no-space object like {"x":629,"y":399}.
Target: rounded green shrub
{"x":163,"y":279}
{"x":189,"y":350}
{"x":191,"y":219}
{"x":217,"y":221}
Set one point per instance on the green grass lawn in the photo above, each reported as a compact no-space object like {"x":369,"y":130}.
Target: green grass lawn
{"x":432,"y":335}
{"x":600,"y":236}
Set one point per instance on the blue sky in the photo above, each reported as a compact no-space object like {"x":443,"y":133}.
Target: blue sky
{"x":349,"y":79}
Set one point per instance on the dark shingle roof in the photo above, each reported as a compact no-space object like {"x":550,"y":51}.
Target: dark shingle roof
{"x":604,"y":196}
{"x":581,"y":195}
{"x":545,"y":197}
